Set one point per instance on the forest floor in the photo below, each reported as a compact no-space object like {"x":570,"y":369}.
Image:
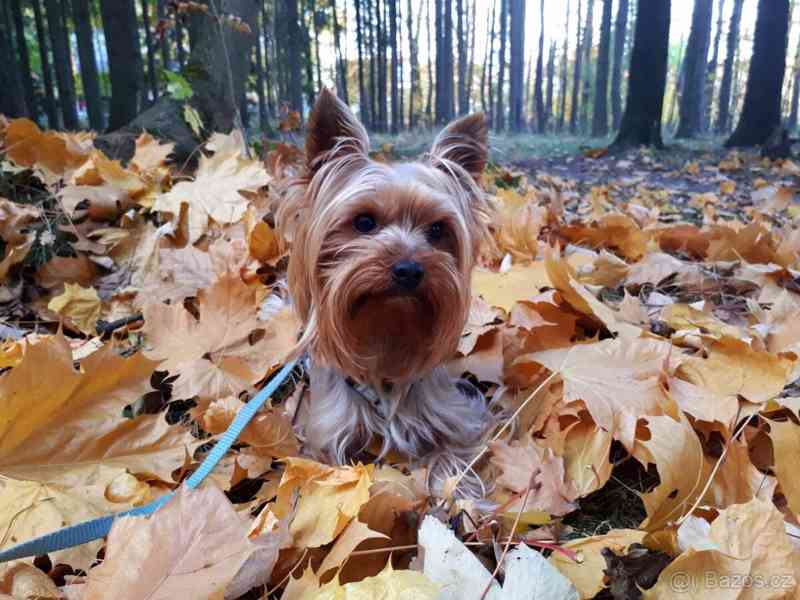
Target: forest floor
{"x":639,"y":313}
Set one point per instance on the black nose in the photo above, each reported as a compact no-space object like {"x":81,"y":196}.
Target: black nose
{"x":407,"y":274}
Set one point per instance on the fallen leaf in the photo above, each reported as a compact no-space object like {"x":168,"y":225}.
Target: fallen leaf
{"x":79,"y":305}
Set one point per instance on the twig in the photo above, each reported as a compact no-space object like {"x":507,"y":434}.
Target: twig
{"x":104,"y":327}
{"x":508,"y":542}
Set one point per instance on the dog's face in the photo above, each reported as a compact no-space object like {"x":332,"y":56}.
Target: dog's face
{"x":380,"y":269}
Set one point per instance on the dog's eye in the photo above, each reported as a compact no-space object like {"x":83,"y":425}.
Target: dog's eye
{"x":364,"y":223}
{"x":437,"y":231}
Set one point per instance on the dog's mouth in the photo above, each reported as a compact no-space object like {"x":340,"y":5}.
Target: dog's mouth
{"x":388,"y":296}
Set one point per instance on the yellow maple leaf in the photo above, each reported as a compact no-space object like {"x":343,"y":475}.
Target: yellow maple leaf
{"x":328,"y":499}
{"x":389,"y":584}
{"x":214,"y":193}
{"x":80,"y":305}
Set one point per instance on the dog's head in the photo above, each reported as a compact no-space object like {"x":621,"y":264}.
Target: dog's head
{"x":382,"y":253}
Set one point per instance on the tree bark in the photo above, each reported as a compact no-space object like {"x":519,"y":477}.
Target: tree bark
{"x":620,"y":33}
{"x":24,"y":60}
{"x":431,"y":74}
{"x":47,"y":76}
{"x":12,"y":100}
{"x":588,"y":44}
{"x":62,"y":59}
{"x":444,"y":60}
{"x":499,"y":113}
{"x":761,"y":112}
{"x":397,"y":113}
{"x":694,"y":64}
{"x":471,"y":59}
{"x":91,"y":82}
{"x":163,"y":40}
{"x":576,"y":77}
{"x":263,"y":119}
{"x":294,"y":48}
{"x":562,"y":112}
{"x":793,"y":111}
{"x":152,"y":74}
{"x":487,"y":97}
{"x":641,"y":121}
{"x":711,"y":69}
{"x":122,"y":43}
{"x":679,"y":77}
{"x":461,"y":34}
{"x":723,"y":113}
{"x":517,"y":73}
{"x":551,"y":75}
{"x":413,"y":59}
{"x":600,"y":113}
{"x":363,"y":100}
{"x":341,"y":58}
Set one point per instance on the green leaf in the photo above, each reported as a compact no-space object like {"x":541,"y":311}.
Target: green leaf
{"x":177,"y":86}
{"x":192,"y":117}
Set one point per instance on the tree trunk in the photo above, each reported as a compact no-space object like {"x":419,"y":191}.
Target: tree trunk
{"x":499,"y":113}
{"x":152,"y":74}
{"x":691,"y":108}
{"x":723,"y":114}
{"x":431,"y":74}
{"x":163,"y":40}
{"x":562,"y":112}
{"x":294,"y":48}
{"x":588,"y":44}
{"x":471,"y":59}
{"x":395,"y":97}
{"x":461,"y":34}
{"x":761,"y":112}
{"x":641,"y":121}
{"x":263,"y":120}
{"x":341,"y":58}
{"x":679,"y":76}
{"x":620,"y":33}
{"x":47,"y":77}
{"x":600,"y":114}
{"x":62,"y":59}
{"x":551,"y":75}
{"x":444,"y":61}
{"x":24,"y":59}
{"x":576,"y":78}
{"x":122,"y":43}
{"x":487,"y":98}
{"x":413,"y":60}
{"x":517,"y":72}
{"x":538,"y":94}
{"x":12,"y":100}
{"x":711,"y":69}
{"x":91,"y":82}
{"x":363,"y":100}
{"x":793,"y":113}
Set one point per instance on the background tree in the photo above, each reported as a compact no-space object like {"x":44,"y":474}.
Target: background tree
{"x":44,"y":58}
{"x":12,"y":100}
{"x":499,"y":113}
{"x":122,"y":43}
{"x":86,"y":51}
{"x":21,"y":48}
{"x":761,"y":112}
{"x":541,"y":116}
{"x":549,"y":96}
{"x":600,"y":114}
{"x":444,"y":61}
{"x":792,"y":123}
{"x":62,"y":61}
{"x":588,"y":45}
{"x":641,"y":121}
{"x":694,"y":74}
{"x":562,"y":111}
{"x":723,"y":114}
{"x":711,"y":69}
{"x":620,"y":34}
{"x":576,"y":77}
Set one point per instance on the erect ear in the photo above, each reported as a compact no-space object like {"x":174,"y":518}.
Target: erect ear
{"x":464,"y":142}
{"x":332,"y":125}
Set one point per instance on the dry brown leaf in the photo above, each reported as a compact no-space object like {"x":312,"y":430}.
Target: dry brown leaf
{"x":529,"y":466}
{"x":60,"y":270}
{"x":354,"y":534}
{"x":785,"y":438}
{"x":750,"y":545}
{"x":616,"y":232}
{"x":587,"y":450}
{"x":619,"y":381}
{"x":328,"y":499}
{"x":13,"y":219}
{"x":224,"y":352}
{"x":587,"y":575}
{"x":81,"y":306}
{"x":387,"y":585}
{"x":504,"y":289}
{"x":675,"y":450}
{"x":214,"y":192}
{"x":733,"y":367}
{"x":50,"y":151}
{"x":196,"y":542}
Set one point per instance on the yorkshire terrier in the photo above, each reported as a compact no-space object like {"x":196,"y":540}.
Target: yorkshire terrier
{"x":380,"y":277}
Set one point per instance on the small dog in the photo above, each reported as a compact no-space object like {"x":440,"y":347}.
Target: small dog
{"x":380,"y":277}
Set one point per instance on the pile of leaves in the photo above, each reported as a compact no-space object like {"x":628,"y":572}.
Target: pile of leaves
{"x":643,"y":342}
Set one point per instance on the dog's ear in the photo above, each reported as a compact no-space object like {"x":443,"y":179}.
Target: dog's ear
{"x":464,"y":142}
{"x":332,"y":126}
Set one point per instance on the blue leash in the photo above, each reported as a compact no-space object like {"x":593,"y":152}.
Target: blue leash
{"x":99,"y":528}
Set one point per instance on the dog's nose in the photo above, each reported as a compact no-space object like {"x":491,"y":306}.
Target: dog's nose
{"x":407,"y":274}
